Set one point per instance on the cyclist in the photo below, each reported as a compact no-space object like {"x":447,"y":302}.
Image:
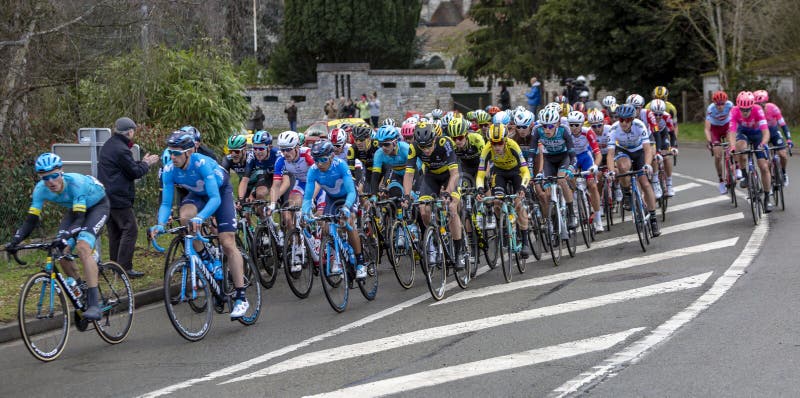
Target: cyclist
{"x":661,"y":93}
{"x":210,"y":194}
{"x":509,"y":168}
{"x":718,"y":117}
{"x":468,"y":148}
{"x":558,"y":156}
{"x":437,"y":114}
{"x":364,"y":152}
{"x":333,"y":176}
{"x":198,"y":144}
{"x":483,"y":120}
{"x":602,"y":132}
{"x":88,"y":208}
{"x":608,"y":101}
{"x":407,"y":132}
{"x":587,"y":154}
{"x":631,"y":136}
{"x":294,"y":164}
{"x":647,"y":117}
{"x":523,"y":136}
{"x":666,"y":139}
{"x":261,"y":166}
{"x":774,"y":119}
{"x":393,"y":155}
{"x":440,"y":165}
{"x":749,"y":126}
{"x":240,"y":161}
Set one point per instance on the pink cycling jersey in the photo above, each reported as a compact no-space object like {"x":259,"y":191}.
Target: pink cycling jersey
{"x":773,"y":115}
{"x":754,"y":121}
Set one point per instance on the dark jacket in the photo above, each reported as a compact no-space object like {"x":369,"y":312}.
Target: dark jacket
{"x":204,"y":150}
{"x":291,"y":113}
{"x":117,"y":171}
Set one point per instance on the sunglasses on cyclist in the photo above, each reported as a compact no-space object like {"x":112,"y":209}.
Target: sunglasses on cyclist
{"x":49,"y":177}
{"x":574,"y":125}
{"x":425,"y":146}
{"x":460,"y":137}
{"x":177,"y":152}
{"x":387,"y":144}
{"x":549,"y":126}
{"x":597,"y":126}
{"x":323,"y":159}
{"x":338,"y":146}
{"x":658,"y":113}
{"x":235,"y":151}
{"x":259,"y":148}
{"x":626,"y":119}
{"x":500,"y":143}
{"x":744,"y":110}
{"x":284,"y":150}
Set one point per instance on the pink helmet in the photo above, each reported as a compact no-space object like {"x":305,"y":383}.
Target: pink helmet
{"x":745,"y":99}
{"x":761,"y":96}
{"x":407,"y":130}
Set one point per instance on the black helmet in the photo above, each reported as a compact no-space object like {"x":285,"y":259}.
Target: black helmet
{"x":321,"y":148}
{"x":181,"y":139}
{"x":362,"y":132}
{"x":423,"y":134}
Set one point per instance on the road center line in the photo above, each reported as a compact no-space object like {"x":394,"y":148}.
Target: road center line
{"x":684,"y":187}
{"x":419,"y":336}
{"x":491,"y":365}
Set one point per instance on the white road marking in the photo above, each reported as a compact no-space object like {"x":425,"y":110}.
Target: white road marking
{"x":491,"y":365}
{"x":695,"y":179}
{"x":636,"y":351}
{"x":563,"y":276}
{"x":696,"y":203}
{"x":419,"y":336}
{"x":684,"y":187}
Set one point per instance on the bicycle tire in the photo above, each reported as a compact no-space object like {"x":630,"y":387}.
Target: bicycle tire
{"x":464,"y":275}
{"x":436,"y":274}
{"x":731,"y":180}
{"x":474,"y":248}
{"x":300,"y":282}
{"x":754,"y":197}
{"x":369,"y":250}
{"x":252,"y":291}
{"x":266,"y":257}
{"x":371,"y":230}
{"x":532,"y":235}
{"x":116,"y":302}
{"x":402,"y":252}
{"x":336,"y":286}
{"x":506,"y":250}
{"x":191,"y":327}
{"x":490,"y":249}
{"x":777,"y":187}
{"x":554,"y":232}
{"x":37,"y":333}
{"x":583,"y":219}
{"x":174,"y":250}
{"x":638,"y":220}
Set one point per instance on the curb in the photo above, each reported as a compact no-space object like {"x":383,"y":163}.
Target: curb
{"x":10,"y":331}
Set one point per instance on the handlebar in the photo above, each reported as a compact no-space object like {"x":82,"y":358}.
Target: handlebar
{"x":175,"y":230}
{"x":631,"y":173}
{"x":30,"y":246}
{"x":334,"y":219}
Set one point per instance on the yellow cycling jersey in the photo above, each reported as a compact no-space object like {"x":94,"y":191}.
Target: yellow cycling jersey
{"x":671,"y":109}
{"x":511,"y":159}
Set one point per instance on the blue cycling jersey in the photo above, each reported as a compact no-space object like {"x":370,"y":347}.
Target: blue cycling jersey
{"x":80,"y":192}
{"x":719,"y":117}
{"x":202,"y":175}
{"x":337,"y":182}
{"x":397,"y":161}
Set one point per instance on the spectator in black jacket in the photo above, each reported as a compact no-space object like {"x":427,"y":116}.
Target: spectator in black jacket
{"x":117,"y":170}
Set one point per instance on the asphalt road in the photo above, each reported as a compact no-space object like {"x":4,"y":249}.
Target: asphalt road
{"x":708,"y":310}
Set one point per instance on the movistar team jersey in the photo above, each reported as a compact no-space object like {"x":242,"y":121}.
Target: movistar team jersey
{"x":202,"y":176}
{"x":441,"y":160}
{"x":80,"y":192}
{"x":337,"y":182}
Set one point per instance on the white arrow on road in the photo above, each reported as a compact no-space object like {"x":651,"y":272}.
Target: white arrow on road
{"x":419,"y":336}
{"x":564,"y":276}
{"x":471,"y":369}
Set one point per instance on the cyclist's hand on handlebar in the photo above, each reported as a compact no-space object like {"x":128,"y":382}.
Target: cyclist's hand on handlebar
{"x":197,"y":223}
{"x":11,"y":248}
{"x":592,"y":169}
{"x":345,"y":212}
{"x":674,"y":151}
{"x":790,"y":143}
{"x":648,"y":169}
{"x":155,"y":230}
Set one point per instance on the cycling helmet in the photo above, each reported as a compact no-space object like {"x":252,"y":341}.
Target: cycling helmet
{"x":180,"y":139}
{"x":337,"y":137}
{"x":523,"y":118}
{"x":447,"y":118}
{"x":262,"y":137}
{"x":386,"y":133}
{"x":48,"y":162}
{"x":424,"y":134}
{"x":561,"y":99}
{"x":191,"y":129}
{"x":437,"y":113}
{"x":595,"y":117}
{"x":658,"y":106}
{"x":288,"y":140}
{"x":482,"y":117}
{"x":408,"y":130}
{"x":719,"y":97}
{"x":549,"y":116}
{"x":470,"y":116}
{"x":579,"y":106}
{"x":361,"y":132}
{"x":497,"y":132}
{"x":321,"y":148}
{"x":501,"y":117}
{"x":613,"y":109}
{"x":165,"y":157}
{"x":493,"y":110}
{"x":626,"y":111}
{"x":565,"y":110}
{"x":660,"y":92}
{"x":580,"y":79}
{"x":745,"y":99}
{"x":237,"y":142}
{"x":584,"y":94}
{"x":635,"y":100}
{"x":457,"y":127}
{"x":575,"y":117}
{"x":608,"y":100}
{"x":389,"y":121}
{"x":761,"y":96}
{"x":519,"y":108}
{"x":302,"y":138}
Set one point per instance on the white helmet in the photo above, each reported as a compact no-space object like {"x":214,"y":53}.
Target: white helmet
{"x":501,"y":117}
{"x":658,"y":106}
{"x":580,"y":79}
{"x":520,"y":108}
{"x":288,"y":140}
{"x":595,"y":117}
{"x":523,"y":118}
{"x":389,"y":121}
{"x":437,"y":113}
{"x":411,"y":120}
{"x":584,"y":94}
{"x":575,"y":117}
{"x":554,"y":105}
{"x":635,"y":100}
{"x":549,"y":115}
{"x":447,"y":118}
{"x":338,"y":136}
{"x":608,"y":100}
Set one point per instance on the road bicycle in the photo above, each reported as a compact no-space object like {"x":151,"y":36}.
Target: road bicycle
{"x":777,"y":176}
{"x":555,"y":225}
{"x":482,"y":232}
{"x":607,"y":199}
{"x":581,"y":200}
{"x":403,"y":244}
{"x":663,"y":201}
{"x":755,"y":192}
{"x":729,"y":171}
{"x":43,"y":312}
{"x":267,"y":250}
{"x":192,"y":288}
{"x":301,"y":255}
{"x":641,"y":217}
{"x":508,"y":241}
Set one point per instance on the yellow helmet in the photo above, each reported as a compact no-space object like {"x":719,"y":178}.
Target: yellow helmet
{"x":660,"y":92}
{"x":437,"y":127}
{"x":497,"y":132}
{"x":565,"y":109}
{"x":457,"y":127}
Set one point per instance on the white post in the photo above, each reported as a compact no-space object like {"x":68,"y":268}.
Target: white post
{"x":255,"y":36}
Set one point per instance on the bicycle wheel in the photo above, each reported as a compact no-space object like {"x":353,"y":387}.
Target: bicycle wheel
{"x":252,"y":291}
{"x":266,"y":257}
{"x":369,"y":250}
{"x":754,"y":196}
{"x":402,"y":252}
{"x":433,"y":255}
{"x":608,"y":205}
{"x":583,"y":219}
{"x":372,"y":231}
{"x":731,"y":180}
{"x":554,"y":233}
{"x":463,"y":276}
{"x":188,"y":310}
{"x":43,"y":317}
{"x":334,"y":281}
{"x":532,"y":234}
{"x":174,"y":251}
{"x":491,"y":248}
{"x":638,"y":220}
{"x":777,"y":186}
{"x":474,"y":247}
{"x":506,"y":250}
{"x":298,"y":254}
{"x":116,"y":302}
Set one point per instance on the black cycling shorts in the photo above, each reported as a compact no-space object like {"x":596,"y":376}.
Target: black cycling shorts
{"x":554,"y":163}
